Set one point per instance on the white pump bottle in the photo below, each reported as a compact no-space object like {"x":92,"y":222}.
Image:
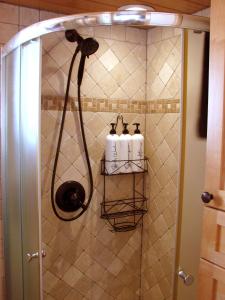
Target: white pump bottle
{"x":112,"y":151}
{"x":125,"y":150}
{"x":137,"y":150}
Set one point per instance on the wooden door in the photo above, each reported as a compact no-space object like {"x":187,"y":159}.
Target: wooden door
{"x":215,"y":157}
{"x":212,"y":264}
{"x":211,"y":281}
{"x":213,"y":238}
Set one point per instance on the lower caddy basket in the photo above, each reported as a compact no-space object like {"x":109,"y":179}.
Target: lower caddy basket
{"x":127,"y":213}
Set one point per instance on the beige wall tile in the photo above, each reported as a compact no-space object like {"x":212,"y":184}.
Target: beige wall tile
{"x":109,"y":60}
{"x":7,"y":31}
{"x":114,"y":63}
{"x":97,"y":70}
{"x":164,"y":57}
{"x":171,"y":165}
{"x":116,"y":266}
{"x":154,"y":35}
{"x":95,"y":257}
{"x":9,"y":14}
{"x":121,"y":49}
{"x":162,"y":138}
{"x":45,"y":15}
{"x":28,"y":16}
{"x":49,"y":281}
{"x":102,"y":32}
{"x":74,"y":295}
{"x":61,"y":54}
{"x":118,"y":33}
{"x":49,"y":41}
{"x":167,"y":33}
{"x":135,"y":35}
{"x":72,"y":276}
{"x":165,"y":73}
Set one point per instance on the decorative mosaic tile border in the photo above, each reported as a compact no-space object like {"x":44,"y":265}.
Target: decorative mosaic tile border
{"x":113,"y":105}
{"x":163,"y":106}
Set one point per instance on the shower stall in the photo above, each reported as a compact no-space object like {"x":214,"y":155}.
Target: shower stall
{"x":138,"y":72}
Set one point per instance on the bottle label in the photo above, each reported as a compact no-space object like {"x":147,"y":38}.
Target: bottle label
{"x":114,"y":165}
{"x":128,"y":164}
{"x":140,"y":163}
{"x":140,"y":150}
{"x":114,"y":151}
{"x":129,"y":151}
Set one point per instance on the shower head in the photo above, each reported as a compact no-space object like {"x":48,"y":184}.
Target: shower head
{"x":87,"y":46}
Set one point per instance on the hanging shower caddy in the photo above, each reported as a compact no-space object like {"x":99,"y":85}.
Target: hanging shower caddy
{"x":127,"y":213}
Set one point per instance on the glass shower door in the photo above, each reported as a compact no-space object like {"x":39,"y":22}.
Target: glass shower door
{"x":20,"y":171}
{"x":193,"y":165}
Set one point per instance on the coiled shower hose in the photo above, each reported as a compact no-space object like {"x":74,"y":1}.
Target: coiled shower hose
{"x":79,"y":82}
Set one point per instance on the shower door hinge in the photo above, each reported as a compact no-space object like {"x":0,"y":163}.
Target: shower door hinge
{"x":35,"y":255}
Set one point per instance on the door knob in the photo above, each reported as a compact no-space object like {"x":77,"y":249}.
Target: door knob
{"x":206,"y":197}
{"x":187,"y":278}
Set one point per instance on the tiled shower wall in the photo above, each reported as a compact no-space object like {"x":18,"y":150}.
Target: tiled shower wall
{"x":161,"y":111}
{"x":115,"y":71}
{"x":85,"y":259}
{"x":162,"y":149}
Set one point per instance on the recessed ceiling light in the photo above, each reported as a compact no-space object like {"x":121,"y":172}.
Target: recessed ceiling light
{"x":136,"y":7}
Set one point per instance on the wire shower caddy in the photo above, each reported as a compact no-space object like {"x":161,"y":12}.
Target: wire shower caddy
{"x":127,"y":213}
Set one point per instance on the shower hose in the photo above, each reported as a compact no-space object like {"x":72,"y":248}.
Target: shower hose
{"x":79,"y":82}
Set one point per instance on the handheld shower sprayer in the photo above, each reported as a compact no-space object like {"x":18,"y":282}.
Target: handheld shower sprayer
{"x":70,"y":196}
{"x":87,"y":46}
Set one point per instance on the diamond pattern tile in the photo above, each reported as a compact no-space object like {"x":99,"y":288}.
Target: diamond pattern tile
{"x":56,"y":54}
{"x":162,"y":132}
{"x":114,"y":62}
{"x":109,"y":60}
{"x":157,"y":272}
{"x":81,"y":253}
{"x":85,"y":259}
{"x":163,"y":67}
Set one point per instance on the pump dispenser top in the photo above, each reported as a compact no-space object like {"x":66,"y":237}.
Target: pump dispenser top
{"x":125,"y":130}
{"x":113,"y":130}
{"x":112,"y":151}
{"x":137,"y":130}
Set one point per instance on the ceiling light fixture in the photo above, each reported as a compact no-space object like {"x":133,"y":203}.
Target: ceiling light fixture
{"x":136,"y":7}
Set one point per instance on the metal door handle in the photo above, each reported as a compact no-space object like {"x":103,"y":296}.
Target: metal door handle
{"x":206,"y":197}
{"x":35,"y":255}
{"x":187,"y":278}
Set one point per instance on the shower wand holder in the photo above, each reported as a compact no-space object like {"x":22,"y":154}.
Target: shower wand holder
{"x":127,"y":213}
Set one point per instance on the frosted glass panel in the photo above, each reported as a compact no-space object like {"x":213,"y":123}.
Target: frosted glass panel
{"x":20,"y":170}
{"x":11,"y":174}
{"x":30,"y":143}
